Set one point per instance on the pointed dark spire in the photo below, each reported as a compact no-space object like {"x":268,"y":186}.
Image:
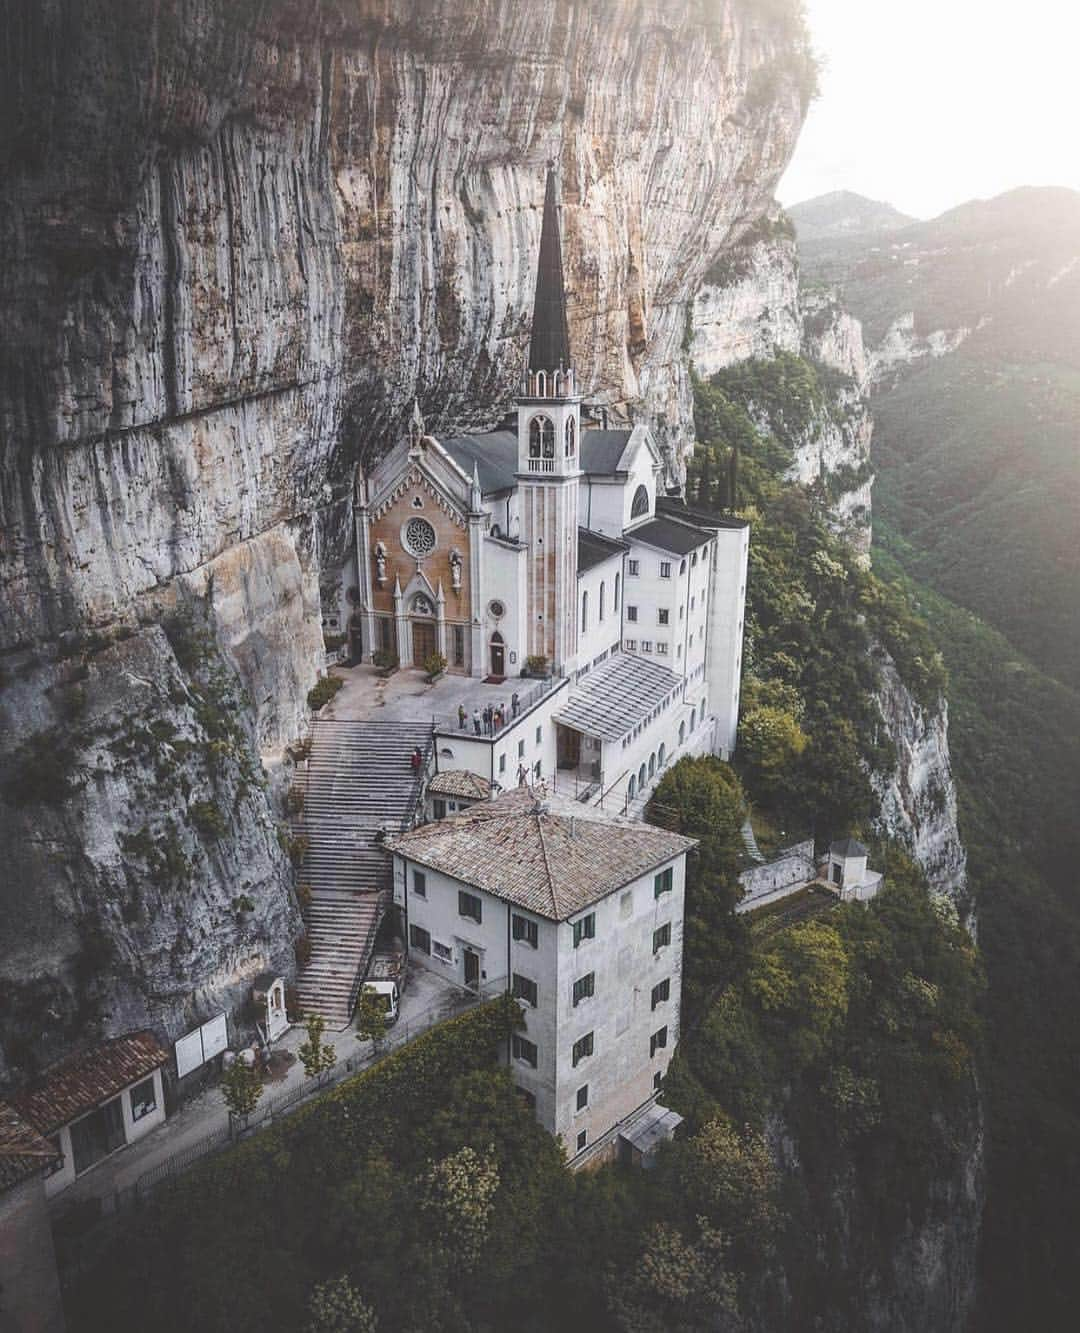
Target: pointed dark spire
{"x":549,"y":347}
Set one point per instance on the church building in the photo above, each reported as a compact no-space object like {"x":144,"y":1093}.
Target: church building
{"x":556,"y":545}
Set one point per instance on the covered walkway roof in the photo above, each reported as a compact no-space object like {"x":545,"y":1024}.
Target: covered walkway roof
{"x":620,"y":693}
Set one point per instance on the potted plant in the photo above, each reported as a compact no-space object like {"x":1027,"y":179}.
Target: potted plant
{"x":386,"y":662}
{"x":434,"y":665}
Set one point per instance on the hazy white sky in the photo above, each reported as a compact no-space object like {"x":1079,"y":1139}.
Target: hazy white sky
{"x":929,"y":103}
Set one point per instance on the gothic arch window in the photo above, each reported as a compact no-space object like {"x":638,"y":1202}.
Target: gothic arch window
{"x":600,"y":608}
{"x":641,"y":778}
{"x":640,"y":506}
{"x":584,"y":610}
{"x":661,"y":758}
{"x":571,"y":437}
{"x":541,"y":384}
{"x":541,"y":438}
{"x":616,"y":607}
{"x":652,"y":764}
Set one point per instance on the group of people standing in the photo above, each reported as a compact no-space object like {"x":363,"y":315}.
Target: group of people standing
{"x":490,"y":720}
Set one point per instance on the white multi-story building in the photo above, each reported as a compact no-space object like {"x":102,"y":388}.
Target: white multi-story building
{"x":580,"y":916}
{"x":555,"y":539}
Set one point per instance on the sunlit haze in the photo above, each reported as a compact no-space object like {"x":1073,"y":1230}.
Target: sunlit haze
{"x":934,"y":102}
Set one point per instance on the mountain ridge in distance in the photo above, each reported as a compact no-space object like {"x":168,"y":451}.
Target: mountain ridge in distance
{"x":845,"y":213}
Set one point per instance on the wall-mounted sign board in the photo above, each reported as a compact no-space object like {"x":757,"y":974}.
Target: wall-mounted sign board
{"x":201,"y":1045}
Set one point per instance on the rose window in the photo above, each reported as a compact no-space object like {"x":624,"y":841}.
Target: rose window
{"x":419,"y":537}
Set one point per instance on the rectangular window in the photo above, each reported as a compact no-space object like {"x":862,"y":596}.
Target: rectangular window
{"x":582,"y":1097}
{"x":143,"y":1099}
{"x":661,"y":938}
{"x":523,"y":1050}
{"x":657,"y":1041}
{"x":663,"y":616}
{"x":632,"y":568}
{"x":646,"y":645}
{"x":665,"y":569}
{"x":419,"y":938}
{"x":585,"y":929}
{"x":539,"y":734}
{"x":661,"y":992}
{"x":582,"y":1140}
{"x":583,"y":1048}
{"x":526,"y":931}
{"x":657,"y":1079}
{"x":521,"y":749}
{"x":459,"y":645}
{"x":584,"y":987}
{"x":502,"y":763}
{"x":440,"y":812}
{"x":661,"y":647}
{"x":626,"y":904}
{"x":538,"y":770}
{"x":419,"y":879}
{"x":631,"y":645}
{"x":442,"y":951}
{"x":468,"y":904}
{"x":662,"y":883}
{"x":524,"y":989}
{"x":631,"y":613}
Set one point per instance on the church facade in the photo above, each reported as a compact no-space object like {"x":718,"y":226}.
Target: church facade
{"x":557,"y":544}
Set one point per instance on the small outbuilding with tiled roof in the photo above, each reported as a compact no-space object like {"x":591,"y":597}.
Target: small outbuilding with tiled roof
{"x":96,"y":1102}
{"x":456,"y":790}
{"x":579,"y":914}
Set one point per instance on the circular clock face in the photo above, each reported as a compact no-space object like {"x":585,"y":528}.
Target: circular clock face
{"x":496,"y":610}
{"x":419,"y":537}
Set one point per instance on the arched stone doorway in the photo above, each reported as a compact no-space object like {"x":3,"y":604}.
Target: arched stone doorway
{"x":422,"y":621}
{"x":498,"y":655}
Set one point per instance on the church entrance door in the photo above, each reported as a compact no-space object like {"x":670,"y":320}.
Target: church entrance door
{"x":423,"y":641}
{"x":498,"y":655}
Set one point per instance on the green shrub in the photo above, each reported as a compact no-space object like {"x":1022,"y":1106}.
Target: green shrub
{"x":207,"y":818}
{"x":434,"y":665}
{"x":385,"y":660}
{"x":536,"y":665}
{"x":323,"y":691}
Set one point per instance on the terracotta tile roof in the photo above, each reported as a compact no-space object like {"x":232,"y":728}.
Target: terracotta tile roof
{"x":81,"y":1082}
{"x":471,"y":786}
{"x":552,"y":857}
{"x":23,"y":1152}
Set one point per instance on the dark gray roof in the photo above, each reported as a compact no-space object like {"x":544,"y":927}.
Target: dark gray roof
{"x":620,"y":693}
{"x":848,"y":847}
{"x":494,"y":454}
{"x":549,"y":346}
{"x":593,"y":548}
{"x":670,"y":535}
{"x":673,"y":507}
{"x":602,"y":449}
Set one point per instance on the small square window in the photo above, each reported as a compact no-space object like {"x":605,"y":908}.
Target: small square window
{"x":631,"y":645}
{"x":419,"y":938}
{"x":526,"y":931}
{"x":470,"y":905}
{"x":661,"y":647}
{"x":661,"y":992}
{"x":584,"y":987}
{"x":582,"y":1140}
{"x":143,"y":1099}
{"x":665,"y":569}
{"x":657,"y":1041}
{"x":442,"y":951}
{"x":524,"y":989}
{"x":524,"y":1050}
{"x":583,"y":1048}
{"x":585,"y":929}
{"x":419,"y":879}
{"x":582,"y":1097}
{"x":663,"y":882}
{"x":661,"y":938}
{"x":631,"y":613}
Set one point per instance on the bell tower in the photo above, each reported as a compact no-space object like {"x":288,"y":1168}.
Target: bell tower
{"x":549,"y":430}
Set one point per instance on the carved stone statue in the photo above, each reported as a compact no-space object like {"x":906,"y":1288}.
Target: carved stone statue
{"x":455,"y":571}
{"x":416,"y":427}
{"x":380,"y":563}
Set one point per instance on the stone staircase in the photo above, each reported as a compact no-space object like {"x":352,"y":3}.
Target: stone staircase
{"x":749,"y":842}
{"x":359,"y":781}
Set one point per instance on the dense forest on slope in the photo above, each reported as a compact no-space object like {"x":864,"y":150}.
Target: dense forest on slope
{"x":1015,"y":740}
{"x":976,"y":450}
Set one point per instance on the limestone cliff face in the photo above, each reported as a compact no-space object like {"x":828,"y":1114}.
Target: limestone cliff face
{"x":751,"y":306}
{"x":238,"y":240}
